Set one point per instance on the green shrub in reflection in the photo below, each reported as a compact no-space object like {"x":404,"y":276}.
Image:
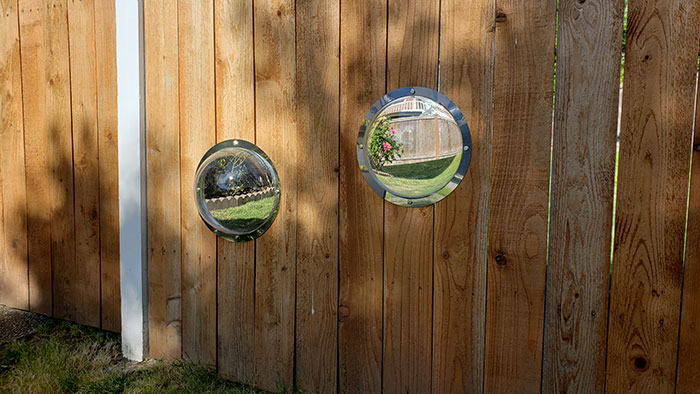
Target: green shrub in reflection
{"x":419,"y":179}
{"x":248,"y":216}
{"x":383,"y":147}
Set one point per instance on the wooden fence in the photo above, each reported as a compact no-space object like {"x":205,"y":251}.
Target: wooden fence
{"x":505,"y":286}
{"x":59,"y":221}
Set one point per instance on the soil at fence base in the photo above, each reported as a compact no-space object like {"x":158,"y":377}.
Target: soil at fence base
{"x":16,"y":324}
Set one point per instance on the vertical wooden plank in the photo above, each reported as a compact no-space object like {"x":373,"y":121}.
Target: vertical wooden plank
{"x":163,"y":180}
{"x":317,"y":51}
{"x":47,"y":125}
{"x":412,"y":60}
{"x":276,"y":134}
{"x":235,"y":118}
{"x":657,"y":118}
{"x":105,"y":51}
{"x":81,"y":280}
{"x":461,"y":220}
{"x":524,"y":53}
{"x":583,"y":174}
{"x":688,"y":379}
{"x":362,"y":81}
{"x":197,"y":135}
{"x":14,"y":285}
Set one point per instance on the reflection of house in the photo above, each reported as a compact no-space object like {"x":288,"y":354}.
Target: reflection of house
{"x":426,"y":130}
{"x":240,"y":199}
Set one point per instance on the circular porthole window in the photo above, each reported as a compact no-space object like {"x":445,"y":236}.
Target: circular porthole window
{"x":237,"y":190}
{"x":414,"y":147}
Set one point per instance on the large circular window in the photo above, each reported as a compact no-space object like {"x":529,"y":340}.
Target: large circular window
{"x":414,"y":147}
{"x":237,"y":190}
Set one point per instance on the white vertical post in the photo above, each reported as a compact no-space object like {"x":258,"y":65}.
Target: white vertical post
{"x":132,"y":178}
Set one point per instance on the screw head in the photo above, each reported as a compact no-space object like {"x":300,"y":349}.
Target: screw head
{"x":413,"y":91}
{"x":466,"y":148}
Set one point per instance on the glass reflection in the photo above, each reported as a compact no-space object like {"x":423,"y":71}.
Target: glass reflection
{"x":414,"y":149}
{"x":237,"y":190}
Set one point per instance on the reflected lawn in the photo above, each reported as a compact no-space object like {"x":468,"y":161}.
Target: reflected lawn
{"x":420,"y":179}
{"x":247,"y":217}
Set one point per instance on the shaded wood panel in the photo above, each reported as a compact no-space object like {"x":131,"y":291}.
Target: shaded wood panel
{"x":461,"y":219}
{"x":80,"y":278}
{"x":655,"y":146}
{"x":583,"y":176}
{"x":317,"y":74}
{"x":197,"y":135}
{"x":47,"y":141}
{"x":688,"y":379}
{"x":235,"y":118}
{"x":14,"y":285}
{"x":412,"y":60}
{"x":276,"y":135}
{"x":517,"y":242}
{"x":163,"y":180}
{"x":363,"y":32}
{"x":105,"y":51}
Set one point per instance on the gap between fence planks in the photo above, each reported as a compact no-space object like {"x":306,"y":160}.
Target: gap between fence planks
{"x":524,"y":60}
{"x":197,"y":135}
{"x":412,"y":60}
{"x":317,"y":74}
{"x":688,"y":379}
{"x":14,"y":286}
{"x":660,"y":68}
{"x":163,"y":180}
{"x":583,"y":176}
{"x":362,"y":81}
{"x":461,"y":219}
{"x":235,"y":118}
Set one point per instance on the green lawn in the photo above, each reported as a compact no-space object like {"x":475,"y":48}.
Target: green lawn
{"x":68,"y":358}
{"x":250,"y":215}
{"x":420,"y":179}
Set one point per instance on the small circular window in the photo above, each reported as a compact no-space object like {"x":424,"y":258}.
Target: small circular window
{"x":237,"y":190}
{"x":414,"y":147}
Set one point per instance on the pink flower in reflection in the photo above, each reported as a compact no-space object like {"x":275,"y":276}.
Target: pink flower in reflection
{"x":386,"y":146}
{"x":393,"y":131}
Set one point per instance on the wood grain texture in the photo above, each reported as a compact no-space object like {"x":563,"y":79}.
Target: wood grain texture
{"x":81,"y":278}
{"x":517,"y":251}
{"x":197,"y":135}
{"x":47,"y":125}
{"x":276,"y":135}
{"x":14,"y":282}
{"x":105,"y":51}
{"x":583,"y":177}
{"x":362,"y":81}
{"x":655,"y":146}
{"x":688,"y":379}
{"x":317,"y":67}
{"x":163,"y":180}
{"x":235,"y":118}
{"x":412,"y":60}
{"x":461,"y":219}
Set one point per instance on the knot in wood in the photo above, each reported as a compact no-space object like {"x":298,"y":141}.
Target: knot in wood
{"x":501,"y":260}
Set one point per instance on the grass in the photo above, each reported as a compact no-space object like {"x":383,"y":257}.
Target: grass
{"x":420,"y":179}
{"x":67,"y":358}
{"x":250,"y":215}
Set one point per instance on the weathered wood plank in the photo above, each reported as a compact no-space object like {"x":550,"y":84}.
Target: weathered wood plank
{"x":276,"y":134}
{"x":197,"y":135}
{"x":362,"y":81}
{"x":583,"y":175}
{"x":47,"y":139}
{"x":105,"y":51}
{"x":163,"y":180}
{"x":14,"y":283}
{"x":461,"y":220}
{"x":235,"y":118}
{"x":81,"y":280}
{"x":657,"y":119}
{"x":317,"y":51}
{"x":517,"y":251}
{"x":412,"y":60}
{"x":688,"y":379}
